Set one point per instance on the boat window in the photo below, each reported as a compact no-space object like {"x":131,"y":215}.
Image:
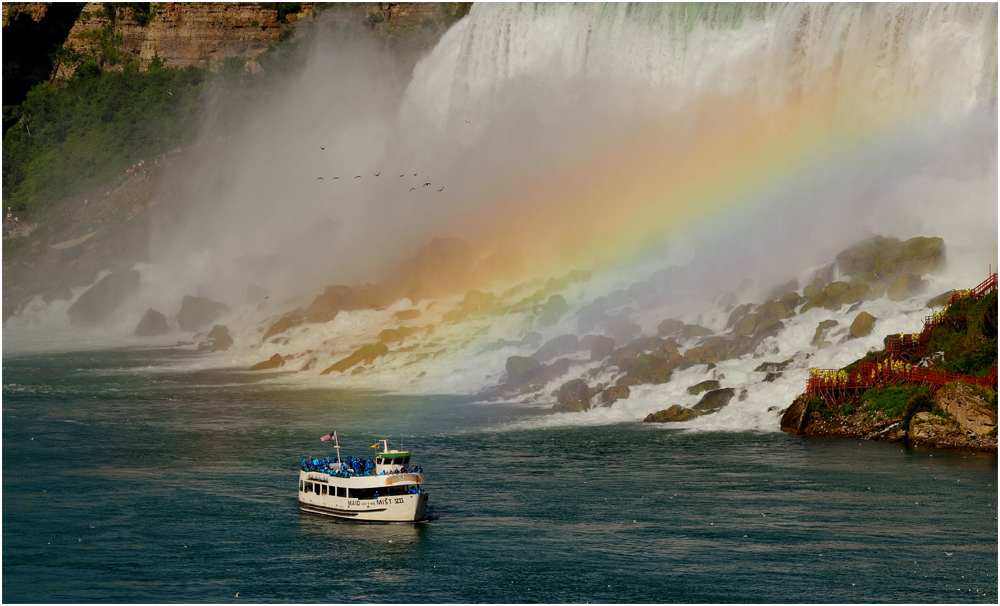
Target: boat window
{"x":300,"y":485}
{"x":309,"y":486}
{"x":406,"y":461}
{"x":324,"y":489}
{"x":341,"y":491}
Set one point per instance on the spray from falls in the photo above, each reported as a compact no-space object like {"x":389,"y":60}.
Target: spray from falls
{"x":732,"y":141}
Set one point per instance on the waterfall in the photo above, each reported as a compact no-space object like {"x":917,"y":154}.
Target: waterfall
{"x":929,"y":58}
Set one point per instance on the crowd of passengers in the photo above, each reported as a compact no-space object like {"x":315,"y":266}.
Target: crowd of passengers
{"x":351,"y":467}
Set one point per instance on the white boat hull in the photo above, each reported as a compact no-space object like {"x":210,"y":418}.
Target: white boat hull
{"x":387,"y":508}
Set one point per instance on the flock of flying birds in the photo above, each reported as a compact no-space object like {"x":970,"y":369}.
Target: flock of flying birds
{"x":379,"y":173}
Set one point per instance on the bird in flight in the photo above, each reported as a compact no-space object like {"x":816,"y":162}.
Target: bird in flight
{"x":467,"y":122}
{"x":323,"y":149}
{"x":357,"y":176}
{"x":336,"y":177}
{"x":402,"y":175}
{"x":414,"y":174}
{"x":442,"y":188}
{"x":319,"y":178}
{"x":413,"y":189}
{"x":266,"y":298}
{"x":426,"y":184}
{"x":377,"y":174}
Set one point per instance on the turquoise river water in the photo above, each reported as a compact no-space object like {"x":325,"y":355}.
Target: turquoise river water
{"x":127,"y":481}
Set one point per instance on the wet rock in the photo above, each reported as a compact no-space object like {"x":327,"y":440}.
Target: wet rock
{"x":601,"y":348}
{"x":521,"y":370}
{"x":674,"y":414}
{"x":555,"y":369}
{"x":218,"y":339}
{"x":198,"y":312}
{"x":645,"y":368}
{"x":738,"y":313}
{"x":703,"y":386}
{"x":553,"y":348}
{"x":692,"y":331}
{"x":102,"y":299}
{"x":591,"y":316}
{"x":905,"y":286}
{"x":775,"y":310}
{"x":819,"y":339}
{"x":532,"y":338}
{"x":916,"y":255}
{"x":835,"y":289}
{"x":773,"y":366}
{"x":727,"y":301}
{"x":861,"y":258}
{"x":856,"y":294}
{"x":276,"y":361}
{"x":614,"y":393}
{"x":763,"y":332}
{"x":819,"y":300}
{"x":395,"y":335}
{"x":366,"y":355}
{"x":969,"y":408}
{"x":152,"y":324}
{"x":669,"y":327}
{"x":621,"y":329}
{"x":633,"y":348}
{"x":407,"y":314}
{"x":57,"y":295}
{"x":573,"y":396}
{"x":776,"y":292}
{"x":942,"y":299}
{"x":325,"y":307}
{"x":824,"y":275}
{"x":715,"y":349}
{"x":715,"y":400}
{"x":553,"y":309}
{"x":285,"y":322}
{"x":746,"y":325}
{"x":862,"y":325}
{"x":796,"y":418}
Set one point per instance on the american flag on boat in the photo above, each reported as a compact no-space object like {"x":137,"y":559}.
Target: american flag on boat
{"x":330,"y":437}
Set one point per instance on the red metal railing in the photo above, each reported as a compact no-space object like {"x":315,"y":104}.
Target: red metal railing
{"x":835,"y":385}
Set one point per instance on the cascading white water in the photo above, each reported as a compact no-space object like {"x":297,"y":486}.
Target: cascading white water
{"x":939,"y":58}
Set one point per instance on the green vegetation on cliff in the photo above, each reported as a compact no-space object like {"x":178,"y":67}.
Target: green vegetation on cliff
{"x":73,"y":137}
{"x":968,"y":336}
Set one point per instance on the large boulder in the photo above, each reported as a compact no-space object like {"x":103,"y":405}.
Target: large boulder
{"x":669,"y":327}
{"x":601,"y":348}
{"x":218,"y":339}
{"x":633,"y":348}
{"x":552,"y":310}
{"x":522,"y":370}
{"x":102,"y":299}
{"x":63,"y":294}
{"x":821,"y":299}
{"x":888,"y":257}
{"x":621,"y":329}
{"x":407,"y":314}
{"x":738,"y":313}
{"x":916,"y":255}
{"x":835,"y":289}
{"x":152,"y":324}
{"x":776,"y":310}
{"x":645,"y":368}
{"x":693,"y":331}
{"x":941,"y":299}
{"x":285,"y":322}
{"x":325,"y":307}
{"x":715,"y":400}
{"x":715,"y":349}
{"x":703,"y":386}
{"x":856,"y":294}
{"x":394,"y":335}
{"x":673,"y":414}
{"x":767,"y":330}
{"x":198,"y":312}
{"x":905,"y":286}
{"x":553,"y":348}
{"x":276,"y":361}
{"x":746,"y":325}
{"x":573,"y":396}
{"x":862,"y":325}
{"x":819,"y":339}
{"x":366,"y":355}
{"x":795,"y":419}
{"x":614,"y":393}
{"x":969,"y":408}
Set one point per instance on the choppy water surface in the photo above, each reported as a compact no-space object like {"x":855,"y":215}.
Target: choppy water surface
{"x":125,"y":481}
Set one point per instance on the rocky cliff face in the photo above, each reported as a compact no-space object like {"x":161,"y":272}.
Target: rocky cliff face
{"x":188,"y":33}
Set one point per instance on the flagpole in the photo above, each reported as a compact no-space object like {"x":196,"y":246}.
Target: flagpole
{"x":336,"y":442}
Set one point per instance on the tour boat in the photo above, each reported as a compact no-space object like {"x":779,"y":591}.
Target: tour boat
{"x":384,"y":489}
